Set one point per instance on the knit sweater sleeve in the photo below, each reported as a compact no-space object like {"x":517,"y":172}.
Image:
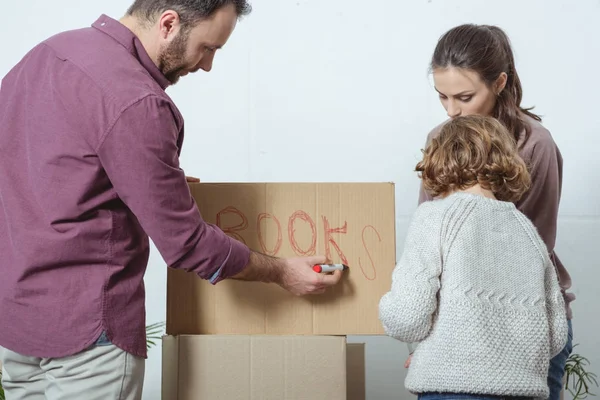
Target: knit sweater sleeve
{"x":406,"y":310}
{"x":555,"y":308}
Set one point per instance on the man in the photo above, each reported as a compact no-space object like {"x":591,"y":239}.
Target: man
{"x":89,"y":147}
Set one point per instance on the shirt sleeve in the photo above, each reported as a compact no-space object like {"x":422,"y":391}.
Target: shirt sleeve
{"x":423,"y":194}
{"x":540,"y":203}
{"x":140,"y":155}
{"x":406,"y":311}
{"x":555,"y":308}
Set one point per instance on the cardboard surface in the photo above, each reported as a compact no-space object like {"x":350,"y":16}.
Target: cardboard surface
{"x":244,"y":367}
{"x":355,"y":372}
{"x":356,"y":388}
{"x":351,"y":223}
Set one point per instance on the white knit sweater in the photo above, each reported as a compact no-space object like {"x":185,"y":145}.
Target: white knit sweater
{"x":476,"y":287}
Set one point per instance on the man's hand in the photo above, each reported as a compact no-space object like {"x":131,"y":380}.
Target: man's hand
{"x":299,"y":278}
{"x":407,"y":362}
{"x":293,"y":274}
{"x":192,"y":179}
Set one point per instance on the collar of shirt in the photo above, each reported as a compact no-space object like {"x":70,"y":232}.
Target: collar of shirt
{"x":127,"y":39}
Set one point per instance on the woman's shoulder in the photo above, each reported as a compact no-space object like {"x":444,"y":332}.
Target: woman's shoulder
{"x":539,"y":145}
{"x":436,"y":130}
{"x":538,"y":133}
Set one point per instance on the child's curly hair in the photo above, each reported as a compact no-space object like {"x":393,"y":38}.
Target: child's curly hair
{"x":474,"y":150}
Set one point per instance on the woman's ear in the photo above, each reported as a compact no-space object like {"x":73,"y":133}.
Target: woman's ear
{"x":500,"y":83}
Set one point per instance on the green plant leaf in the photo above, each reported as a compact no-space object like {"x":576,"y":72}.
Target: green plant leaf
{"x":2,"y":397}
{"x":580,"y":379}
{"x":153,"y":334}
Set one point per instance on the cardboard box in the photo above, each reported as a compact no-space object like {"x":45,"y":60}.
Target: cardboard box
{"x":355,"y":372}
{"x":253,"y":367}
{"x":350,"y":223}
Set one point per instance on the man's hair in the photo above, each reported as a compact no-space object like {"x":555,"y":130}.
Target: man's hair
{"x":190,"y":11}
{"x":472,"y":150}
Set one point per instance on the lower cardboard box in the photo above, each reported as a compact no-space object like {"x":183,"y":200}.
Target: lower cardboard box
{"x":265,"y":367}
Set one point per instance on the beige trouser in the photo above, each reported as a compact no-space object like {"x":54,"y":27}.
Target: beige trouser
{"x":102,"y":372}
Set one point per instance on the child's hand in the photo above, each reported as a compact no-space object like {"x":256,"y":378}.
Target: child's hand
{"x":407,"y":362}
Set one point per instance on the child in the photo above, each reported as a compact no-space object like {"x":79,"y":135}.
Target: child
{"x":475,"y":285}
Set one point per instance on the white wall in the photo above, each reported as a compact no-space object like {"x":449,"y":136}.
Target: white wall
{"x":347,"y":81}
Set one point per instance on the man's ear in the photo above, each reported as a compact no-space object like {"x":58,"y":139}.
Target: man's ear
{"x":169,"y":24}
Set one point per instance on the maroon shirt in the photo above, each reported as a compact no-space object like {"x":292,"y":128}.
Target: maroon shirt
{"x":89,"y":154}
{"x":541,"y":202}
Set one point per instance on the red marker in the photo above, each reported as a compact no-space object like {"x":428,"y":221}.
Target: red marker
{"x":329,"y":267}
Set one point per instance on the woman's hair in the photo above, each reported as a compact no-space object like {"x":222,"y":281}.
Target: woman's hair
{"x":472,"y":150}
{"x":486,"y":50}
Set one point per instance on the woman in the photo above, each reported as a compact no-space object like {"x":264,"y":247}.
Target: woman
{"x":474,"y":72}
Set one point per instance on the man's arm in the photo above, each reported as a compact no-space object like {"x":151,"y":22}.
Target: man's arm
{"x":141,"y":158}
{"x":293,"y":274}
{"x":140,"y":155}
{"x":262,"y":268}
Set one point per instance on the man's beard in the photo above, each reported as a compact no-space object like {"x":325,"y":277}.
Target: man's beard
{"x":171,"y":61}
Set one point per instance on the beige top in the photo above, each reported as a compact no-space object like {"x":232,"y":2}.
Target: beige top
{"x":540,"y":203}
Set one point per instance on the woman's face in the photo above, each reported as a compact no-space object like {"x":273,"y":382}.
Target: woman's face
{"x":462,"y":92}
